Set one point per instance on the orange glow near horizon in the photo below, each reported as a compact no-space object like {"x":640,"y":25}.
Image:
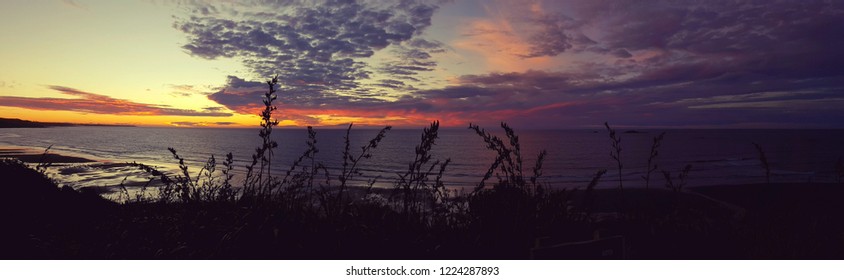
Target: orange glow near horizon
{"x":286,"y":118}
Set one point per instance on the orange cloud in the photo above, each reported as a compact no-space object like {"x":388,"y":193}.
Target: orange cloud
{"x":100,"y":104}
{"x":499,"y":45}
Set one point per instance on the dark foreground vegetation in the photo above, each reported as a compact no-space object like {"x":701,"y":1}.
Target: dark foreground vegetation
{"x":310,"y":213}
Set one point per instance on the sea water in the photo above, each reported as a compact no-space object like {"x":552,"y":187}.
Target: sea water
{"x":574,"y":156}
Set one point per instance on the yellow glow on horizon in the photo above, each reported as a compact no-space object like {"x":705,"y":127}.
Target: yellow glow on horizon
{"x":238,"y":120}
{"x":331,"y":120}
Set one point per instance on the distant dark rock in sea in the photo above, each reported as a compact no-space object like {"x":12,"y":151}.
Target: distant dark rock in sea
{"x":633,"y":131}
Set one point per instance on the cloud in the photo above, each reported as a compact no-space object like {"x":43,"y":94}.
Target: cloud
{"x":553,"y":63}
{"x":723,"y":28}
{"x":99,"y":104}
{"x":9,"y":84}
{"x":553,"y":34}
{"x":189,"y":90}
{"x":410,"y":59}
{"x":201,"y":124}
{"x":660,"y":98}
{"x":74,"y":4}
{"x":524,"y":29}
{"x":311,"y":45}
{"x":245,"y":96}
{"x":318,"y":108}
{"x":621,"y":53}
{"x":647,"y":61}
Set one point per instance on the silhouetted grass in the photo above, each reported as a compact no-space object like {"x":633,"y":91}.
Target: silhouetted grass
{"x":677,"y":186}
{"x":507,"y":166}
{"x":590,"y":189}
{"x":615,"y":153}
{"x":255,"y":186}
{"x":763,"y":159}
{"x":43,"y":161}
{"x":652,"y":166}
{"x":414,"y":185}
{"x":351,"y":161}
{"x":306,"y":212}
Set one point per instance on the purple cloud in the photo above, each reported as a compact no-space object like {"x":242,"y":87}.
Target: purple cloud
{"x":664,"y":63}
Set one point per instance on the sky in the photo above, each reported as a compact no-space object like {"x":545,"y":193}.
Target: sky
{"x":531,"y":63}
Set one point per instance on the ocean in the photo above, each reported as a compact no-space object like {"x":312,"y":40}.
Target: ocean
{"x":716,"y":156}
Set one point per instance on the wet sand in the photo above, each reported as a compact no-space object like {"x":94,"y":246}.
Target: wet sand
{"x":32,"y":156}
{"x":80,"y":172}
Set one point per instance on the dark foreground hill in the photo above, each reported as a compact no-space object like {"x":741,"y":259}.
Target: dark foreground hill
{"x":45,"y":221}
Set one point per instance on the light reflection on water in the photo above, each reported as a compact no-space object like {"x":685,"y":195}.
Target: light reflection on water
{"x":717,"y":156}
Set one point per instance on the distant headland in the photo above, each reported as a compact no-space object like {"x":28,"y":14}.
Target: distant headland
{"x":18,"y":123}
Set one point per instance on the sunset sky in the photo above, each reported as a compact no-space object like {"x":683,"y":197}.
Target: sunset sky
{"x":533,"y":64}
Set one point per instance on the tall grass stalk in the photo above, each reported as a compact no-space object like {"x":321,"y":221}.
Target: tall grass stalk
{"x":615,"y":153}
{"x":44,"y":162}
{"x":763,"y":159}
{"x":350,"y":162}
{"x":677,"y":186}
{"x":298,"y":180}
{"x":590,"y":197}
{"x":508,"y":161}
{"x":254,"y":184}
{"x":652,"y":165}
{"x":227,"y":191}
{"x":415,"y":181}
